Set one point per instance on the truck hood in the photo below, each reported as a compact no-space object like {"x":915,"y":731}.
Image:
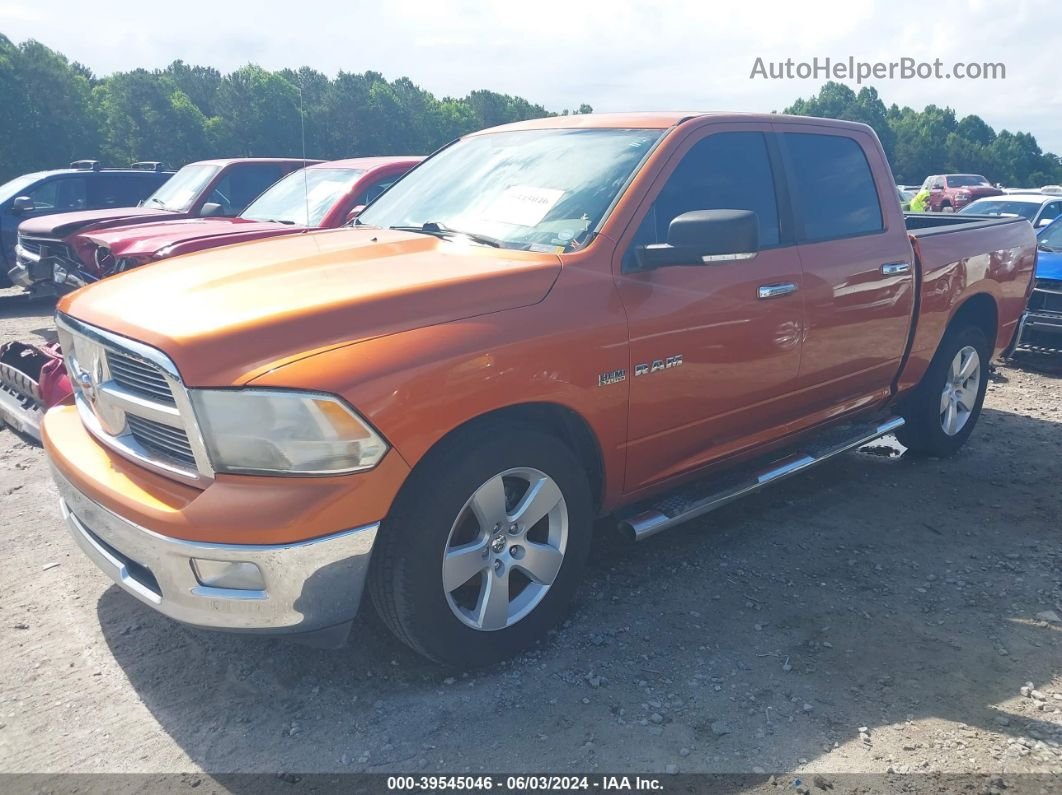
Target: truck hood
{"x":1049,"y":265}
{"x":149,"y":239}
{"x":228,"y":315}
{"x":60,"y":225}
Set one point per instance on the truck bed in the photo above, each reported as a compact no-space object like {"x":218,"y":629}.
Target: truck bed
{"x":957,"y":257}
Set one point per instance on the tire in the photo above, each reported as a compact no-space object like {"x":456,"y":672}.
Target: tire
{"x":437,"y":534}
{"x":942,"y":412}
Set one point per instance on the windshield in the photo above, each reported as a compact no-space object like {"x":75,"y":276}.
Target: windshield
{"x":1051,"y":237}
{"x":1025,"y":210}
{"x":538,"y":190}
{"x":13,"y":188}
{"x":315,"y":189}
{"x":966,"y":180}
{"x":180,"y":191}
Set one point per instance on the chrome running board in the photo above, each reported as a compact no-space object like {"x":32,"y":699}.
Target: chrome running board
{"x":689,"y":502}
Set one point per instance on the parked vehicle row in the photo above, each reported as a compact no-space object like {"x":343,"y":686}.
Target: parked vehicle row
{"x":209,"y":188}
{"x":321,"y":196}
{"x":98,"y":244}
{"x":542,"y":323}
{"x":83,"y":186}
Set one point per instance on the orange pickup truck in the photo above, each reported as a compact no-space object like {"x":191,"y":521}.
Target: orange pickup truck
{"x":641,"y":315}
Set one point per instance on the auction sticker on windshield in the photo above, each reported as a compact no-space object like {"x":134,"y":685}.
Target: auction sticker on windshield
{"x":523,"y":205}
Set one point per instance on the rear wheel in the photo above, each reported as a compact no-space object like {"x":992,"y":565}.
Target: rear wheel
{"x":484,"y":548}
{"x":943,"y":411}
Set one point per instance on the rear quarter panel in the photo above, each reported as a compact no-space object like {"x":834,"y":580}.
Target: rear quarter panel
{"x":958,"y":263}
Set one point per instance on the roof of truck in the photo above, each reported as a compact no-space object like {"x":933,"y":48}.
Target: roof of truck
{"x":659,"y":120}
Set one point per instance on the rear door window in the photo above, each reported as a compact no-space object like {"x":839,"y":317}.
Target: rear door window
{"x":120,"y":190}
{"x":833,"y":188}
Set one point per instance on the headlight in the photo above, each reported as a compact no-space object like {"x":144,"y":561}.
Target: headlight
{"x":269,"y":431}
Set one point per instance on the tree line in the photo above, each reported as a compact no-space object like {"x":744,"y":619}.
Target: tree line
{"x":935,"y":141}
{"x":53,"y":111}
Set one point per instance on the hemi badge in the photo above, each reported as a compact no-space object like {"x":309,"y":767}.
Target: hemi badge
{"x":612,"y":377}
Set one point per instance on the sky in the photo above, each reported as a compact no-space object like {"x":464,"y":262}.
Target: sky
{"x":616,"y":56}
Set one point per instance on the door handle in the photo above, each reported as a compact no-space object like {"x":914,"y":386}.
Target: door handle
{"x":775,"y":290}
{"x":895,"y":268}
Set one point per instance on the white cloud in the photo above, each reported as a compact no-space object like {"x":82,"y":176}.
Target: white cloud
{"x":616,"y":56}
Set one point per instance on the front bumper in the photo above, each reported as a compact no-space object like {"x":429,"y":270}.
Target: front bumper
{"x":25,"y":261}
{"x":32,"y":271}
{"x":308,"y":585}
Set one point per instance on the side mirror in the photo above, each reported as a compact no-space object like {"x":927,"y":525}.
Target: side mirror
{"x":212,"y":210}
{"x":1044,"y":221}
{"x":701,"y":237}
{"x":22,"y":204}
{"x":354,"y":213}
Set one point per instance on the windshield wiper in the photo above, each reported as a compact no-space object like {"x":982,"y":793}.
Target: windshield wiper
{"x":159,"y":202}
{"x":442,"y":230}
{"x":279,"y":221}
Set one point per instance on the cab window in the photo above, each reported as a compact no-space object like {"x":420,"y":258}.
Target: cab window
{"x":63,"y":193}
{"x":244,"y":183}
{"x":725,"y":171}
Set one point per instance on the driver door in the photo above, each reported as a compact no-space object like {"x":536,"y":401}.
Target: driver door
{"x":713,"y":353}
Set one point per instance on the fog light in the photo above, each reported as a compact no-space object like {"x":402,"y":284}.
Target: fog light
{"x":240,"y":575}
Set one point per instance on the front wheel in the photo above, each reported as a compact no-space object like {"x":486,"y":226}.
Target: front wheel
{"x":484,"y":548}
{"x":942,"y":412}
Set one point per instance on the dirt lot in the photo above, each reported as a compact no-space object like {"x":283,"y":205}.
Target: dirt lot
{"x":877,"y":614}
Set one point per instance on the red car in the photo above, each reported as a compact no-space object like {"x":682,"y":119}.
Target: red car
{"x":207,"y":188}
{"x":321,"y":196}
{"x":949,"y":193}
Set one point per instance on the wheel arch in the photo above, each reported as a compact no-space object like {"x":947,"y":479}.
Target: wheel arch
{"x":980,"y":310}
{"x":559,"y":420}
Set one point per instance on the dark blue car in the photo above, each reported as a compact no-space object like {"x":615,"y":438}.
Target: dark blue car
{"x":83,"y":186}
{"x":1043,"y":325}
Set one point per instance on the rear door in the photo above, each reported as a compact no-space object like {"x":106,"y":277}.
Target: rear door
{"x":711,"y":362}
{"x":859,"y":285}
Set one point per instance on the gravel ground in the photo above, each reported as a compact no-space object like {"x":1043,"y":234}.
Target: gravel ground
{"x":876,"y":615}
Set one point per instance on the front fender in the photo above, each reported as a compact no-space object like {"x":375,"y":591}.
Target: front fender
{"x":416,"y":386}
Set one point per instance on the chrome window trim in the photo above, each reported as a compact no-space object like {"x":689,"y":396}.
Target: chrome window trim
{"x":182,"y":417}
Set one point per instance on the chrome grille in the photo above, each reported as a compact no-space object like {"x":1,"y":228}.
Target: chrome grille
{"x":31,"y":245}
{"x":140,"y":377}
{"x":130,"y":397}
{"x":43,"y":247}
{"x":163,"y":439}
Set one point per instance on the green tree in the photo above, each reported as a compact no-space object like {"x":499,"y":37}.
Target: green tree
{"x":932,"y":141}
{"x":46,"y":118}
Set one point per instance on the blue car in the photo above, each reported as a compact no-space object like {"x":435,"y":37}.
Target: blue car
{"x":1043,"y":324}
